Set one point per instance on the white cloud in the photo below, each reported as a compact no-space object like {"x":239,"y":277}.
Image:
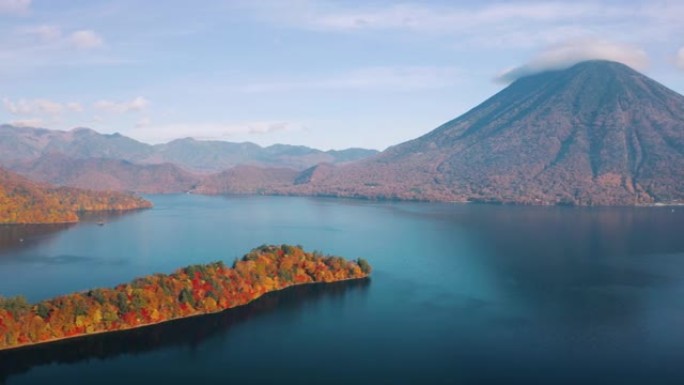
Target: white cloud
{"x":75,"y":107}
{"x":85,"y":39}
{"x":680,"y":58}
{"x":262,"y":128}
{"x":30,"y":122}
{"x":33,"y":106}
{"x":135,"y":105}
{"x":14,"y":6}
{"x":572,"y":52}
{"x":144,"y":122}
{"x":44,"y":33}
{"x":393,"y":78}
{"x":211,"y":130}
{"x":26,"y":48}
{"x":40,"y":112}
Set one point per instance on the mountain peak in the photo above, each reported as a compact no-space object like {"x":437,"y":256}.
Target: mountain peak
{"x":83,"y":131}
{"x":600,"y":64}
{"x":597,"y":132}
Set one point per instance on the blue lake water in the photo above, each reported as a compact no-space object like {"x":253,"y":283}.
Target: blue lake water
{"x":468,"y":294}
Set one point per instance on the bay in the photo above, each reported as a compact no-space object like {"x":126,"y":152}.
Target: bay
{"x":459,"y":294}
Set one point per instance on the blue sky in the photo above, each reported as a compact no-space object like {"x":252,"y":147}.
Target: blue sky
{"x":326,"y":74}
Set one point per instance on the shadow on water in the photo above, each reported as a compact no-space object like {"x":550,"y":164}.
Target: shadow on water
{"x":189,"y":332}
{"x":22,"y":236}
{"x":104,"y":217}
{"x":13,"y":237}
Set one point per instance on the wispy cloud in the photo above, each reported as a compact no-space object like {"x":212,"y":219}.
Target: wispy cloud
{"x":519,"y":24}
{"x":14,"y":6}
{"x":445,"y":18}
{"x":85,"y":39}
{"x":386,"y":78}
{"x":569,"y":53}
{"x":144,"y":122}
{"x":211,"y":130}
{"x":29,"y":122}
{"x":49,"y":37}
{"x":136,"y":105}
{"x":37,"y":106}
{"x":679,"y":60}
{"x":43,"y":33}
{"x":46,"y":112}
{"x":26,"y":47}
{"x":74,"y":106}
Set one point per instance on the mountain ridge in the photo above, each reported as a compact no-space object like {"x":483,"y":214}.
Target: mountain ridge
{"x":23,"y":144}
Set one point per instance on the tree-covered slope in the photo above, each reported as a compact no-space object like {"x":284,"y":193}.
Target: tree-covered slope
{"x":24,"y":201}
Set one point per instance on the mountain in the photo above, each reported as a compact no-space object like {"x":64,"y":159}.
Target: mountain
{"x":212,"y":156}
{"x":108,"y":174}
{"x":246,"y":180}
{"x":597,"y":133}
{"x":25,"y":143}
{"x":22,"y":144}
{"x":24,"y":201}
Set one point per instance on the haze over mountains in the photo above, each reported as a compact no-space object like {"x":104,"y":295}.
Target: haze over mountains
{"x":598,"y":133}
{"x":84,"y":158}
{"x":22,"y":144}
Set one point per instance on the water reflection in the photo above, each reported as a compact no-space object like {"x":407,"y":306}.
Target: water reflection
{"x":104,"y":217}
{"x":25,"y":236}
{"x":185,"y":332}
{"x":13,"y":237}
{"x":574,"y":264}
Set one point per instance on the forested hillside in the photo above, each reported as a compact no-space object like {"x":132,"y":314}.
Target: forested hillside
{"x":24,"y":201}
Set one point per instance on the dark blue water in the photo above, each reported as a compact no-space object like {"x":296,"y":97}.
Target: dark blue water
{"x":467,"y":294}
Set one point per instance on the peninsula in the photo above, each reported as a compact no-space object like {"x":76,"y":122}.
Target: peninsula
{"x":23,"y":201}
{"x":190,"y":291}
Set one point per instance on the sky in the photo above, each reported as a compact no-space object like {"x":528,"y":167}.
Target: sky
{"x":320,"y":73}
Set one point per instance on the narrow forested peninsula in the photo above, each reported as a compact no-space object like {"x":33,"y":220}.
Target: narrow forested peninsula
{"x":23,"y":201}
{"x":190,"y":291}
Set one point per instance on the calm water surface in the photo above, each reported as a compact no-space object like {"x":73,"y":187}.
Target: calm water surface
{"x":465,"y":294}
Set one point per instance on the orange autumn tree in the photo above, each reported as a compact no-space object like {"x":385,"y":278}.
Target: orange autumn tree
{"x":25,"y":201}
{"x":193,"y":290}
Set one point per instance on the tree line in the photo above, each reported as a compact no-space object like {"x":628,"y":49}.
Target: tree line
{"x":189,"y":291}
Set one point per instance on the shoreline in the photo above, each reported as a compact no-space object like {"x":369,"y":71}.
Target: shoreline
{"x":85,"y":335}
{"x":78,"y":214}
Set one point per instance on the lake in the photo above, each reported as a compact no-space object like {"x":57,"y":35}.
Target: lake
{"x":467,"y":294}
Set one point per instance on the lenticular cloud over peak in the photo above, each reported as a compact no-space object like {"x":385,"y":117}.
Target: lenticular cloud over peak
{"x":567,"y":54}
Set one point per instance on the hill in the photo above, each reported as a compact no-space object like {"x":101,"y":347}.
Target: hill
{"x":24,"y":201}
{"x":108,"y":174}
{"x":598,"y":133}
{"x":246,"y":180}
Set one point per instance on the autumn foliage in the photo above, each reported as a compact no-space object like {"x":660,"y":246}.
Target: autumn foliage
{"x":193,"y":290}
{"x":24,"y":201}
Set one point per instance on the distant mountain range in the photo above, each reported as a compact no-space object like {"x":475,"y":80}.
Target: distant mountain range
{"x":22,"y":145}
{"x":597,"y":133}
{"x":86,"y":159}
